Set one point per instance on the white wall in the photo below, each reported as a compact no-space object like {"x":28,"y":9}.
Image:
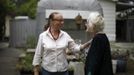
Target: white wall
{"x":110,"y":18}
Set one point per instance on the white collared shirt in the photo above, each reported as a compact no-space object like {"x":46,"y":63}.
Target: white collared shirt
{"x":53,"y":52}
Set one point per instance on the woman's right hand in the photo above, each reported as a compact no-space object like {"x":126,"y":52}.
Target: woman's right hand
{"x":36,"y":70}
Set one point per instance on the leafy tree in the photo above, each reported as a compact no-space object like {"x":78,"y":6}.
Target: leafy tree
{"x":7,"y":7}
{"x":28,"y":8}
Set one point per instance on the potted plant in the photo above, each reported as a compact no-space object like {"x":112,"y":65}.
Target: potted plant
{"x":24,"y":65}
{"x":121,"y":57}
{"x":71,"y":69}
{"x":31,"y":42}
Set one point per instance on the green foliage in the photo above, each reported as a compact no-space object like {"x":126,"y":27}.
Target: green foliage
{"x":11,"y":7}
{"x":25,"y":63}
{"x":28,"y":8}
{"x":71,"y":68}
{"x":31,"y":42}
{"x":7,"y":6}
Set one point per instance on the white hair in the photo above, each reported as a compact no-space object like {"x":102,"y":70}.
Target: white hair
{"x":96,"y":19}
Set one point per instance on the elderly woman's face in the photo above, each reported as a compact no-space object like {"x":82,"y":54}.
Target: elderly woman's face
{"x":89,"y":27}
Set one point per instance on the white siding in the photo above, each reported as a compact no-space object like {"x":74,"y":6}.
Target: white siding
{"x":20,"y":30}
{"x":109,"y":16}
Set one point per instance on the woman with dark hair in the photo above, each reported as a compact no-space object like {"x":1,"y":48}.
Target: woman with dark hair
{"x":49,"y":20}
{"x":46,"y":27}
{"x":51,"y":48}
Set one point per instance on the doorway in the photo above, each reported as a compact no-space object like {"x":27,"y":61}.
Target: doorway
{"x":121,"y":30}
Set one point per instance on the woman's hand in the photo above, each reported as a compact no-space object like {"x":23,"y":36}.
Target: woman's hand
{"x":36,"y":70}
{"x":85,"y":45}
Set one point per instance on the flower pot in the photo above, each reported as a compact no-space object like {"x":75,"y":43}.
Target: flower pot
{"x":121,"y":66}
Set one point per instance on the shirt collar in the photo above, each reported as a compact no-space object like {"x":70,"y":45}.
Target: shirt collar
{"x":49,"y":34}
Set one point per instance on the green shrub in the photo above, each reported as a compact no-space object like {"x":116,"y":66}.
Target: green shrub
{"x":31,"y":42}
{"x":25,"y":63}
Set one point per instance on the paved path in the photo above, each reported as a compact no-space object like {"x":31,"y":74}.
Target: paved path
{"x":8,"y":59}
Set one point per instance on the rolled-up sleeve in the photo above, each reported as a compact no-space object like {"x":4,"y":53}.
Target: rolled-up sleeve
{"x":72,"y":45}
{"x":38,"y":52}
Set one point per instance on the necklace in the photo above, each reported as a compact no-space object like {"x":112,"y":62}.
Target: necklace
{"x":55,"y":37}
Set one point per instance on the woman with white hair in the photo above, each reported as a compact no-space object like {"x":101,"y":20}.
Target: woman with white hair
{"x":98,"y":60}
